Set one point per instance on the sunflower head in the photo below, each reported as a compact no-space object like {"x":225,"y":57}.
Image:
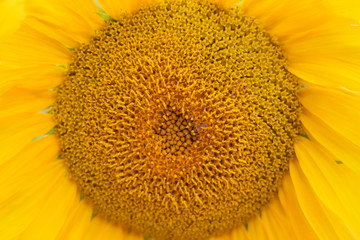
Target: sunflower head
{"x":178,"y":120}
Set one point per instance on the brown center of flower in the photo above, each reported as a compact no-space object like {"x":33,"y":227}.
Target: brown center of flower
{"x":178,"y":132}
{"x":179,"y":120}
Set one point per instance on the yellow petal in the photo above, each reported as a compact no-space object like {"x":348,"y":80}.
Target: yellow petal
{"x":69,"y":21}
{"x":337,"y":109}
{"x":297,"y":219}
{"x":346,"y":8}
{"x":39,"y":77}
{"x":117,"y":233}
{"x":227,"y":3}
{"x":19,"y":211}
{"x":81,"y":219}
{"x":343,"y":150}
{"x":115,"y":8}
{"x":53,"y":213}
{"x":331,"y":182}
{"x":332,"y":73}
{"x":323,"y":221}
{"x":100,"y":229}
{"x":19,"y":130}
{"x":256,"y":229}
{"x":29,"y":47}
{"x":18,"y":100}
{"x":24,"y":169}
{"x":238,"y":233}
{"x":322,"y":44}
{"x":276,"y":222}
{"x":12,"y":13}
{"x":5,"y":84}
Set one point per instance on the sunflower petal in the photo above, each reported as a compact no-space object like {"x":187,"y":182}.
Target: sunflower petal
{"x":116,"y":233}
{"x":55,"y":209}
{"x":12,"y":13}
{"x":339,"y":110}
{"x":227,"y":3}
{"x":80,"y":218}
{"x":24,"y":168}
{"x":321,"y":43}
{"x":323,"y":221}
{"x":18,"y":130}
{"x":344,"y":151}
{"x":287,"y":196}
{"x":238,"y":233}
{"x":29,"y":47}
{"x":332,"y":73}
{"x":256,"y":229}
{"x":39,"y":77}
{"x":69,"y":21}
{"x":18,"y":101}
{"x":116,"y":8}
{"x":18,"y":212}
{"x":99,"y":229}
{"x":276,"y":222}
{"x":332,"y":182}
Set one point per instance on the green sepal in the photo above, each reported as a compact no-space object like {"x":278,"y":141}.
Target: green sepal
{"x":304,"y":135}
{"x":105,"y":16}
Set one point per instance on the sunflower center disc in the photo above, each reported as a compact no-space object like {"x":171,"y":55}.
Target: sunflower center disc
{"x":179,"y":120}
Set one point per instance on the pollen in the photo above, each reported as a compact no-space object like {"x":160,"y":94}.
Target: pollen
{"x":178,"y":121}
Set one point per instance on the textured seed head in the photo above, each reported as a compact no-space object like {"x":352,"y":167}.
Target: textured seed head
{"x":179,"y":120}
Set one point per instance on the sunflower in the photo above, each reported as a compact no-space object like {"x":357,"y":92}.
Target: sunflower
{"x":179,"y":119}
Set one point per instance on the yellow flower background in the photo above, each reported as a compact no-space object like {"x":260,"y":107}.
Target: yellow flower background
{"x":319,"y":198}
